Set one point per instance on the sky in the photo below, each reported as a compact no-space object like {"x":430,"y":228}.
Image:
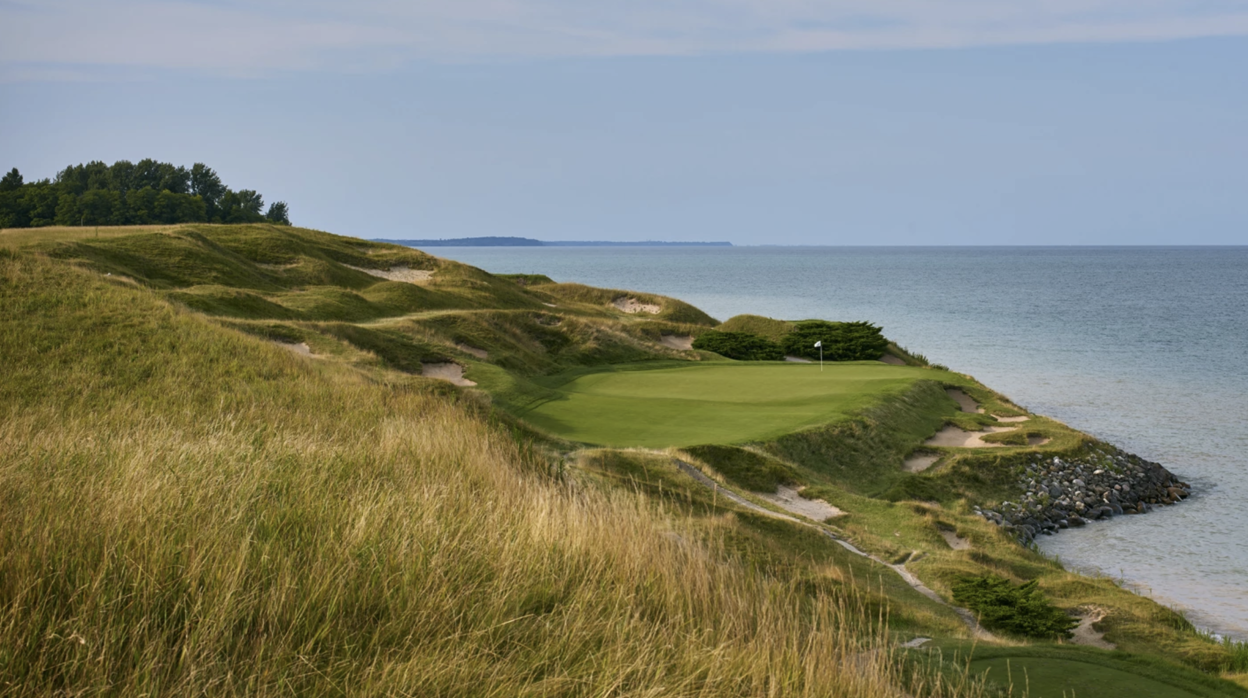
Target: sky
{"x":834,"y":122}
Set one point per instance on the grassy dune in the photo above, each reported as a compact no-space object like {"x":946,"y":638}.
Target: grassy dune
{"x":188,"y":507}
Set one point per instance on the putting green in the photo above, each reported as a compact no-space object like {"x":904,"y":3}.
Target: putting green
{"x":713,"y":402}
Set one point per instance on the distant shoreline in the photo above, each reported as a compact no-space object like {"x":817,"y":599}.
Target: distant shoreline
{"x":530,"y":242}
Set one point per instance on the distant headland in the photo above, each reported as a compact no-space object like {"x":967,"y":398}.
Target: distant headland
{"x":530,"y":242}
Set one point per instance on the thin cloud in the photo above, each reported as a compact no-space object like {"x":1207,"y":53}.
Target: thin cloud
{"x":51,"y":37}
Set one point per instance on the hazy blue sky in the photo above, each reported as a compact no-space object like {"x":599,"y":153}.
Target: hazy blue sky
{"x":754,"y":121}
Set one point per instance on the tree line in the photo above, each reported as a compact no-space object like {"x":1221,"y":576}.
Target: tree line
{"x":127,"y":193}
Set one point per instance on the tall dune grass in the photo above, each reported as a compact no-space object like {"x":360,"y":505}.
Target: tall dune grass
{"x":185,"y":510}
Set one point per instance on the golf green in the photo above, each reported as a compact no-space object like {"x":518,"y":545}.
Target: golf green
{"x":713,"y":402}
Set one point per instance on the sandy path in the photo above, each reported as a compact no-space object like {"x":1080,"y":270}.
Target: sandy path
{"x":678,"y":342}
{"x":411,"y":276}
{"x":453,"y":373}
{"x":632,"y":305}
{"x":906,"y":575}
{"x":793,"y":502}
{"x":920,"y":462}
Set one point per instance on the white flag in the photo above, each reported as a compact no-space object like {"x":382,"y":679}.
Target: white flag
{"x":818,"y":344}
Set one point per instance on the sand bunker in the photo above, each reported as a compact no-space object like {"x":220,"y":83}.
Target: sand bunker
{"x":1010,"y":420}
{"x":796,"y":360}
{"x":792,"y":501}
{"x":550,"y":305}
{"x":632,"y":305}
{"x":920,"y":462}
{"x":672,"y":341}
{"x":404,"y":274}
{"x":479,"y":353}
{"x":447,"y":372}
{"x":955,"y":541}
{"x":966,"y":402}
{"x":1085,"y":634}
{"x":890,"y":359}
{"x":301,"y":348}
{"x":1037,"y":440}
{"x":954,"y":437}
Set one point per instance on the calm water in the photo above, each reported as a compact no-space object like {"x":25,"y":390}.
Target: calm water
{"x":1144,"y":347}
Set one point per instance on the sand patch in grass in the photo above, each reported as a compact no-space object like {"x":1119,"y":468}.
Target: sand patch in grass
{"x":1085,"y":634}
{"x":632,"y":306}
{"x":965,"y":402}
{"x":404,"y":274}
{"x":479,"y":353}
{"x":678,"y":342}
{"x":955,"y":541}
{"x":954,"y":437}
{"x":453,"y":373}
{"x":890,"y":359}
{"x":301,"y":348}
{"x":796,"y":360}
{"x":1012,"y":420}
{"x":919,"y":462}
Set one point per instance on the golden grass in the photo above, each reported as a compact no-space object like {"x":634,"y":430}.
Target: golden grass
{"x":13,"y":238}
{"x":187,"y":510}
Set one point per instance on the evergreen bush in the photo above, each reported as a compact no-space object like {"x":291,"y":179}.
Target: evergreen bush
{"x":842,"y":341}
{"x":741,"y":346}
{"x":1021,"y":610}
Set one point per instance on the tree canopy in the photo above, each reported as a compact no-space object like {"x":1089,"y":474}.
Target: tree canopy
{"x":127,"y":193}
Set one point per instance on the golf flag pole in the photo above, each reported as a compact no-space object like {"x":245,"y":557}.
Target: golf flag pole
{"x":819,"y":345}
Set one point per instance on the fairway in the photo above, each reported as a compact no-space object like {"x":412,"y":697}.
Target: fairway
{"x":1059,"y":678}
{"x":714,"y":402}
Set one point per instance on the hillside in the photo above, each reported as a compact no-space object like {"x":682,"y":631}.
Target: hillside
{"x":267,"y":460}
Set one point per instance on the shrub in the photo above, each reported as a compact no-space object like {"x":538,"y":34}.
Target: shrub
{"x":742,"y":346}
{"x":842,"y":341}
{"x":1021,"y":610}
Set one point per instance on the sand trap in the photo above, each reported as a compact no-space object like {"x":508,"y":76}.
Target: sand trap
{"x":404,"y":274}
{"x":920,"y":462}
{"x":479,"y":353}
{"x":447,"y":372}
{"x":954,"y":437}
{"x":301,"y":348}
{"x":955,"y":541}
{"x":1012,"y":420}
{"x":632,"y":305}
{"x":1085,"y":634}
{"x":672,"y":341}
{"x":1037,"y":440}
{"x":890,"y":359}
{"x":966,"y":402}
{"x":550,"y":305}
{"x":792,"y":501}
{"x":916,"y":643}
{"x":796,"y":360}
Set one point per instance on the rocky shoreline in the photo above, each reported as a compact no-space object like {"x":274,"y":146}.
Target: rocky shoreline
{"x":1059,"y":494}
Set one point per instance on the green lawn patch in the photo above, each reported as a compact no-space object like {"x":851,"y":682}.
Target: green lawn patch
{"x":711,"y":403}
{"x":1070,"y":671}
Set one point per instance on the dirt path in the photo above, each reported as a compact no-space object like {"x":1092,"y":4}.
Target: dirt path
{"x":977,"y":631}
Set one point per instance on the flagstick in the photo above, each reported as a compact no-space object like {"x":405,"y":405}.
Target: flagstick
{"x":821,"y":358}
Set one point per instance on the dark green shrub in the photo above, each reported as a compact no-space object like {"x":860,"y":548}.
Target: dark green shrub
{"x":741,"y":346}
{"x":842,"y":341}
{"x":1021,"y":610}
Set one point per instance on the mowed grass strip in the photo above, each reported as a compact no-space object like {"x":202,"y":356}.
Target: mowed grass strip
{"x":715,"y":402}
